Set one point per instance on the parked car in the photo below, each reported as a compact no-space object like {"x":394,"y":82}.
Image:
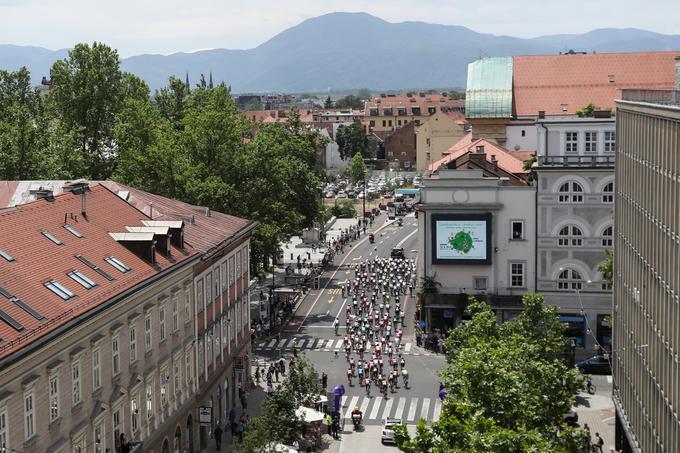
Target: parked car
{"x":351,"y":194}
{"x":388,"y":429}
{"x":341,"y":194}
{"x":598,"y":364}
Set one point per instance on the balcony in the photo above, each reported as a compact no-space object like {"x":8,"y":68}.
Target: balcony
{"x":577,"y":161}
{"x":662,"y":97}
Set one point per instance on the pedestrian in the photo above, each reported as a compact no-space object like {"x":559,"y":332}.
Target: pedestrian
{"x":232,"y":420}
{"x":599,"y":442}
{"x":328,"y":421}
{"x":282,"y":366}
{"x":241,"y":429}
{"x":218,"y":437}
{"x":324,"y":380}
{"x":588,"y":435}
{"x":276,"y":374}
{"x":335,"y":427}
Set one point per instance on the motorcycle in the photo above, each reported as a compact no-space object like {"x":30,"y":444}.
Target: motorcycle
{"x":400,"y":222}
{"x":356,"y":421}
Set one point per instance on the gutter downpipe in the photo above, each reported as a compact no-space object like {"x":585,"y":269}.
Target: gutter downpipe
{"x":536,"y":213}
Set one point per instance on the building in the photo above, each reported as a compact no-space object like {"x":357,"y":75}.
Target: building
{"x":400,"y":147}
{"x":134,"y":270}
{"x":646,"y":271}
{"x":338,"y":115}
{"x":476,"y":221}
{"x":435,"y":135}
{"x":388,"y":112}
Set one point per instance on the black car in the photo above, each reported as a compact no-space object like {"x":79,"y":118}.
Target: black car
{"x":595,"y":365}
{"x":397,"y":253}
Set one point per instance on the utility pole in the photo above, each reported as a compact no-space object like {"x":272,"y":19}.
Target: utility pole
{"x":363,"y":219}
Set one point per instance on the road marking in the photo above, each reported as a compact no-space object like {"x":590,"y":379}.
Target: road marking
{"x":348,"y":412}
{"x":381,"y":242}
{"x":271,"y":344}
{"x":400,"y":243}
{"x":343,"y":400}
{"x":364,"y":406}
{"x":342,"y":307}
{"x":281,"y":343}
{"x":609,"y":379}
{"x":339,"y":344}
{"x":407,"y":347}
{"x":290,"y":343}
{"x":335,"y":291}
{"x":301,"y":343}
{"x":331,"y":300}
{"x":388,"y":409}
{"x":376,"y":408}
{"x":319,"y":344}
{"x":425,"y":409}
{"x":437,"y":410}
{"x":400,"y":408}
{"x":412,"y":409}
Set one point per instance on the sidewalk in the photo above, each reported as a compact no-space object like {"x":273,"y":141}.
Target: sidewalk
{"x":597,"y":411}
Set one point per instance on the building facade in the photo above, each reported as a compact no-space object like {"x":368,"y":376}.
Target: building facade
{"x":647,"y":272}
{"x":388,"y":112}
{"x":400,"y":147}
{"x":434,"y":136}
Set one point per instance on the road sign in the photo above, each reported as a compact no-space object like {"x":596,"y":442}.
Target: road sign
{"x":205,"y":415}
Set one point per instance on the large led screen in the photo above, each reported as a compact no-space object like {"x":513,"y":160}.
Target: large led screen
{"x":461,"y":239}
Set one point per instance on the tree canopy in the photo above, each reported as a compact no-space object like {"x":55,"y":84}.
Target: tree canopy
{"x":357,"y":170}
{"x":352,"y":140}
{"x":506,"y":385}
{"x":349,"y":102}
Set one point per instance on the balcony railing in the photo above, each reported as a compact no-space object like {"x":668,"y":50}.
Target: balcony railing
{"x":577,"y":161}
{"x":663,"y":97}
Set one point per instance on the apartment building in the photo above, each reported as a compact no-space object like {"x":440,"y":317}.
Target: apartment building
{"x":435,"y":135}
{"x":647,"y":272}
{"x":388,"y":112}
{"x":113,"y":340}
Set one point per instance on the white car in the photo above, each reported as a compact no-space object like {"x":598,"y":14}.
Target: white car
{"x":341,"y":194}
{"x":388,"y":429}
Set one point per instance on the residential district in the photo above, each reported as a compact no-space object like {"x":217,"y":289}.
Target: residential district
{"x":131,"y":321}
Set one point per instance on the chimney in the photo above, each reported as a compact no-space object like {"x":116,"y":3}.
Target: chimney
{"x":151,"y":210}
{"x":207,"y":212}
{"x":83,"y":204}
{"x":541,"y":114}
{"x":47,"y":194}
{"x":494,"y":162}
{"x":677,"y":73}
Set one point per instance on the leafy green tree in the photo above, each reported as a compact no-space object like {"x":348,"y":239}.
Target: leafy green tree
{"x":343,"y":210}
{"x":349,"y":102}
{"x":352,"y":140}
{"x":23,"y":129}
{"x":606,"y":268}
{"x":171,"y":101}
{"x":506,"y":385}
{"x":87,"y":92}
{"x":587,"y":111}
{"x":357,"y":170}
{"x":363,"y":94}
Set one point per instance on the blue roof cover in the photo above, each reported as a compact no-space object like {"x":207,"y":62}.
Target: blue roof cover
{"x":489,"y":88}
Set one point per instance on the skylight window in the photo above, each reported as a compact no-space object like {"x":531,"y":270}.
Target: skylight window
{"x":6,"y":255}
{"x":94,"y":267}
{"x":59,"y":289}
{"x":73,"y":231}
{"x":11,"y":321}
{"x":118,"y":264}
{"x":51,"y":238}
{"x":82,"y":279}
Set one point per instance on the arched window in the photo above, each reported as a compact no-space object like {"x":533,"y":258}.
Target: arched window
{"x":569,"y":279}
{"x":570,"y":192}
{"x":608,"y":193}
{"x":608,"y":237}
{"x":570,"y":235}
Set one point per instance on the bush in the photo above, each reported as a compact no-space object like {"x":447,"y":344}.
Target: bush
{"x":343,"y":210}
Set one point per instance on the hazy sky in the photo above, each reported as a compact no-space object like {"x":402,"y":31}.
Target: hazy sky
{"x":146,"y":26}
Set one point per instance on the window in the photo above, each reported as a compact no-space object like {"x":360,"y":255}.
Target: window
{"x":208,"y":289}
{"x":609,"y":141}
{"x":607,"y":237}
{"x":238,"y":264}
{"x":480,"y":283}
{"x":161,"y":322}
{"x":570,"y":235}
{"x":591,"y":142}
{"x":134,"y":414}
{"x":59,"y":289}
{"x":115,"y":355}
{"x":147,"y":333}
{"x":607,"y":286}
{"x":81,"y":278}
{"x":165,"y":380}
{"x":96,"y":370}
{"x":569,"y":279}
{"x":117,"y":424}
{"x":384,"y":123}
{"x":54,"y":397}
{"x":118,"y":264}
{"x":517,"y":229}
{"x":75,"y":383}
{"x":389,"y":123}
{"x":608,"y":193}
{"x":175,"y":314}
{"x":517,"y":275}
{"x":187,"y":363}
{"x":571,"y":142}
{"x":99,"y":441}
{"x":95,"y":268}
{"x":176,"y":375}
{"x":232,"y":271}
{"x":223,"y":272}
{"x":4,"y":432}
{"x":187,"y":305}
{"x":52,"y":238}
{"x":431,"y":110}
{"x":216,"y":283}
{"x":73,"y":231}
{"x":133,"y":344}
{"x":565,"y":107}
{"x":149,"y":400}
{"x":524,"y":133}
{"x":6,"y":255}
{"x":29,"y":420}
{"x":199,"y":296}
{"x":371,"y":123}
{"x":570,"y":192}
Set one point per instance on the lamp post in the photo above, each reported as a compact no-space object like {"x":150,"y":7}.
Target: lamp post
{"x":363,"y":219}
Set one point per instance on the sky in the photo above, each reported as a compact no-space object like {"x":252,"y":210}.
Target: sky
{"x":145,"y":26}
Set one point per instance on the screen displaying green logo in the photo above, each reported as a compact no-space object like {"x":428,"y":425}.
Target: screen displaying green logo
{"x":461,"y":241}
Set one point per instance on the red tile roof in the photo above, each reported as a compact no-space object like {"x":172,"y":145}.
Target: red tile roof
{"x":507,"y":160}
{"x":547,"y":82}
{"x":38,"y":260}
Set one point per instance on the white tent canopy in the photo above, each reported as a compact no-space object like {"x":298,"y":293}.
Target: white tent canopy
{"x":309,"y":415}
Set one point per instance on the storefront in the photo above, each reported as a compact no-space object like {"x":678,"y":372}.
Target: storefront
{"x":575,"y":329}
{"x":604,"y":331}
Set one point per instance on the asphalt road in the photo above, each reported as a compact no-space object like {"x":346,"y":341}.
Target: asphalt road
{"x":312,"y":327}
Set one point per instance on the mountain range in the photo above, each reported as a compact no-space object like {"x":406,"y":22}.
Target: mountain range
{"x":339,"y":51}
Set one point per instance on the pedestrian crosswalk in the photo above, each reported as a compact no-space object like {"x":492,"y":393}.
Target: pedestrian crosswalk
{"x":377,"y":409}
{"x":321,"y":344}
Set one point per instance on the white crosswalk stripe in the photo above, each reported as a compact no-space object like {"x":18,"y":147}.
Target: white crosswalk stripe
{"x":376,"y":408}
{"x":271,"y":344}
{"x":281,"y":343}
{"x":364,"y":405}
{"x":437,"y":410}
{"x":290,"y":343}
{"x":425,"y":409}
{"x":400,"y":408}
{"x":407,"y":347}
{"x":318,"y":343}
{"x":412,"y":409}
{"x":339,"y":344}
{"x":301,"y":344}
{"x":388,"y":408}
{"x":350,"y":408}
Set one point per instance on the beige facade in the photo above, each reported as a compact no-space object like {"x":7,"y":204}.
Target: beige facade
{"x":434,"y":136}
{"x":647,"y":273}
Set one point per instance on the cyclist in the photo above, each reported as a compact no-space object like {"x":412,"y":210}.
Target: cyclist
{"x":336,"y":325}
{"x":404,"y":376}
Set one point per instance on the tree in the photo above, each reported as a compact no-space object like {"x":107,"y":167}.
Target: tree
{"x":23,"y":129}
{"x":328,"y":103}
{"x":587,"y":111}
{"x":171,"y":101}
{"x":357,"y":170}
{"x":528,"y":165}
{"x":363,"y":94}
{"x":87,"y":89}
{"x":352,"y":140}
{"x":349,"y":102}
{"x":506,"y":385}
{"x":606,"y":268}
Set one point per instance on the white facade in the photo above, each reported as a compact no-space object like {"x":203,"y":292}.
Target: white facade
{"x":576,"y":136}
{"x":521,"y":137}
